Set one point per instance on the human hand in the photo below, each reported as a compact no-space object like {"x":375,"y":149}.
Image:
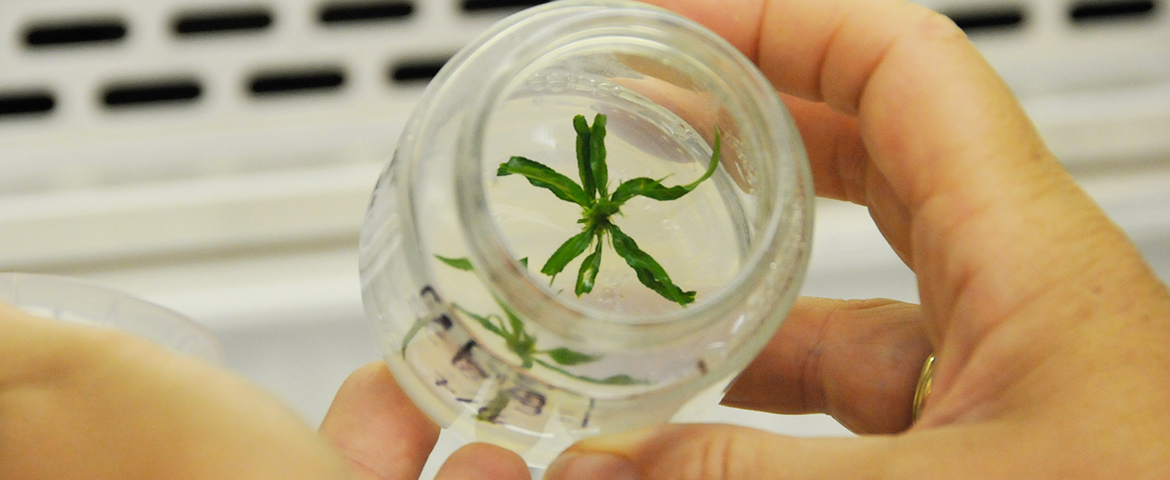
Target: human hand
{"x":1049,"y":330}
{"x":95,"y":403}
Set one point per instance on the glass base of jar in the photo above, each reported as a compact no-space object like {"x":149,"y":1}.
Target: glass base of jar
{"x":483,"y":399}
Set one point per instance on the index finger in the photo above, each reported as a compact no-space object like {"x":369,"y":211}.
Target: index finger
{"x":920,"y":90}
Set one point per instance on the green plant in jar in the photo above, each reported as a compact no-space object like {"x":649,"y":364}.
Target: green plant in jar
{"x":599,"y":206}
{"x":740,"y":239}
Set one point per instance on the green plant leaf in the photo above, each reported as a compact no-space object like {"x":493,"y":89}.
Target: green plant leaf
{"x":492,"y":410}
{"x":542,"y":176}
{"x":460,"y":263}
{"x":650,"y":273}
{"x":587,"y":275}
{"x":648,"y":187}
{"x":414,"y":329}
{"x":525,"y":360}
{"x":515,"y":322}
{"x":565,"y":356}
{"x":597,"y":156}
{"x":465,"y":264}
{"x":572,"y":248}
{"x":519,"y":341}
{"x":622,"y":379}
{"x":486,"y":322}
{"x":523,"y":346}
{"x":583,"y":168}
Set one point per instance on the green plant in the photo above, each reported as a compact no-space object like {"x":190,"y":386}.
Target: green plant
{"x":599,"y":206}
{"x":523,"y":344}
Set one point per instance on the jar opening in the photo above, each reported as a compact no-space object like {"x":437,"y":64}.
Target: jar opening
{"x":663,"y":96}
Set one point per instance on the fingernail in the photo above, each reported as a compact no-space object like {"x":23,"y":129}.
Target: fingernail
{"x":591,"y":466}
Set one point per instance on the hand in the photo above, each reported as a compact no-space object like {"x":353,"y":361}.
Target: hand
{"x":82,"y":402}
{"x":1049,"y":330}
{"x":93,"y":403}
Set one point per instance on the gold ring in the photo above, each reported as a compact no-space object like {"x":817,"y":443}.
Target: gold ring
{"x":923,"y":390}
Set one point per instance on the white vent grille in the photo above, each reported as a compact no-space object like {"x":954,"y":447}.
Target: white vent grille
{"x":1094,"y":74}
{"x":233,"y":124}
{"x":211,"y":88}
{"x":139,"y":130}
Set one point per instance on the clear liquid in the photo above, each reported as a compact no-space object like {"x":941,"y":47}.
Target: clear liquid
{"x":468,"y":376}
{"x":694,"y":237}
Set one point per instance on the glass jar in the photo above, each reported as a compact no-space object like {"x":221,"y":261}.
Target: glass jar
{"x":455,"y":241}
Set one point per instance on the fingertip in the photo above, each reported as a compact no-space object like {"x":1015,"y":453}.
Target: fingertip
{"x":666,"y":451}
{"x":377,"y":428}
{"x":713,"y":451}
{"x":737,"y":21}
{"x":483,"y":461}
{"x":591,"y":465}
{"x":372,"y":391}
{"x":364,"y":376}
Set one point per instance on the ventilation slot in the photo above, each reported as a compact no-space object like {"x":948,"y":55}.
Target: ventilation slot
{"x":416,"y":71}
{"x":990,"y":19}
{"x":222,"y":22}
{"x":75,"y":33}
{"x":15,"y":104}
{"x":344,"y":13}
{"x":1093,"y":12}
{"x":485,"y":5}
{"x":171,"y":92}
{"x":303,"y":81}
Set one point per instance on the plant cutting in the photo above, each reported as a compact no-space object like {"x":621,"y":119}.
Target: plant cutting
{"x":522,"y":343}
{"x":598,"y":207}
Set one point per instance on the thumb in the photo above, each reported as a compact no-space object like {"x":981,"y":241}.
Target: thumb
{"x":718,"y":452}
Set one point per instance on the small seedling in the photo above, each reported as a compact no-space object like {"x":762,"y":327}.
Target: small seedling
{"x":598,"y":206}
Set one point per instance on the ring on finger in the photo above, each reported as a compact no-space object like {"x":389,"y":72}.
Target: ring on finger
{"x":922,"y":391}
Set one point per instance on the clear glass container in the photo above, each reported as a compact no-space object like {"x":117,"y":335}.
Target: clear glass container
{"x":75,"y":301}
{"x":452,"y":252}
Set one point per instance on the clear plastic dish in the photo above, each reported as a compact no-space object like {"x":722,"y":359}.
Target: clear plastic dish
{"x":70,"y":300}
